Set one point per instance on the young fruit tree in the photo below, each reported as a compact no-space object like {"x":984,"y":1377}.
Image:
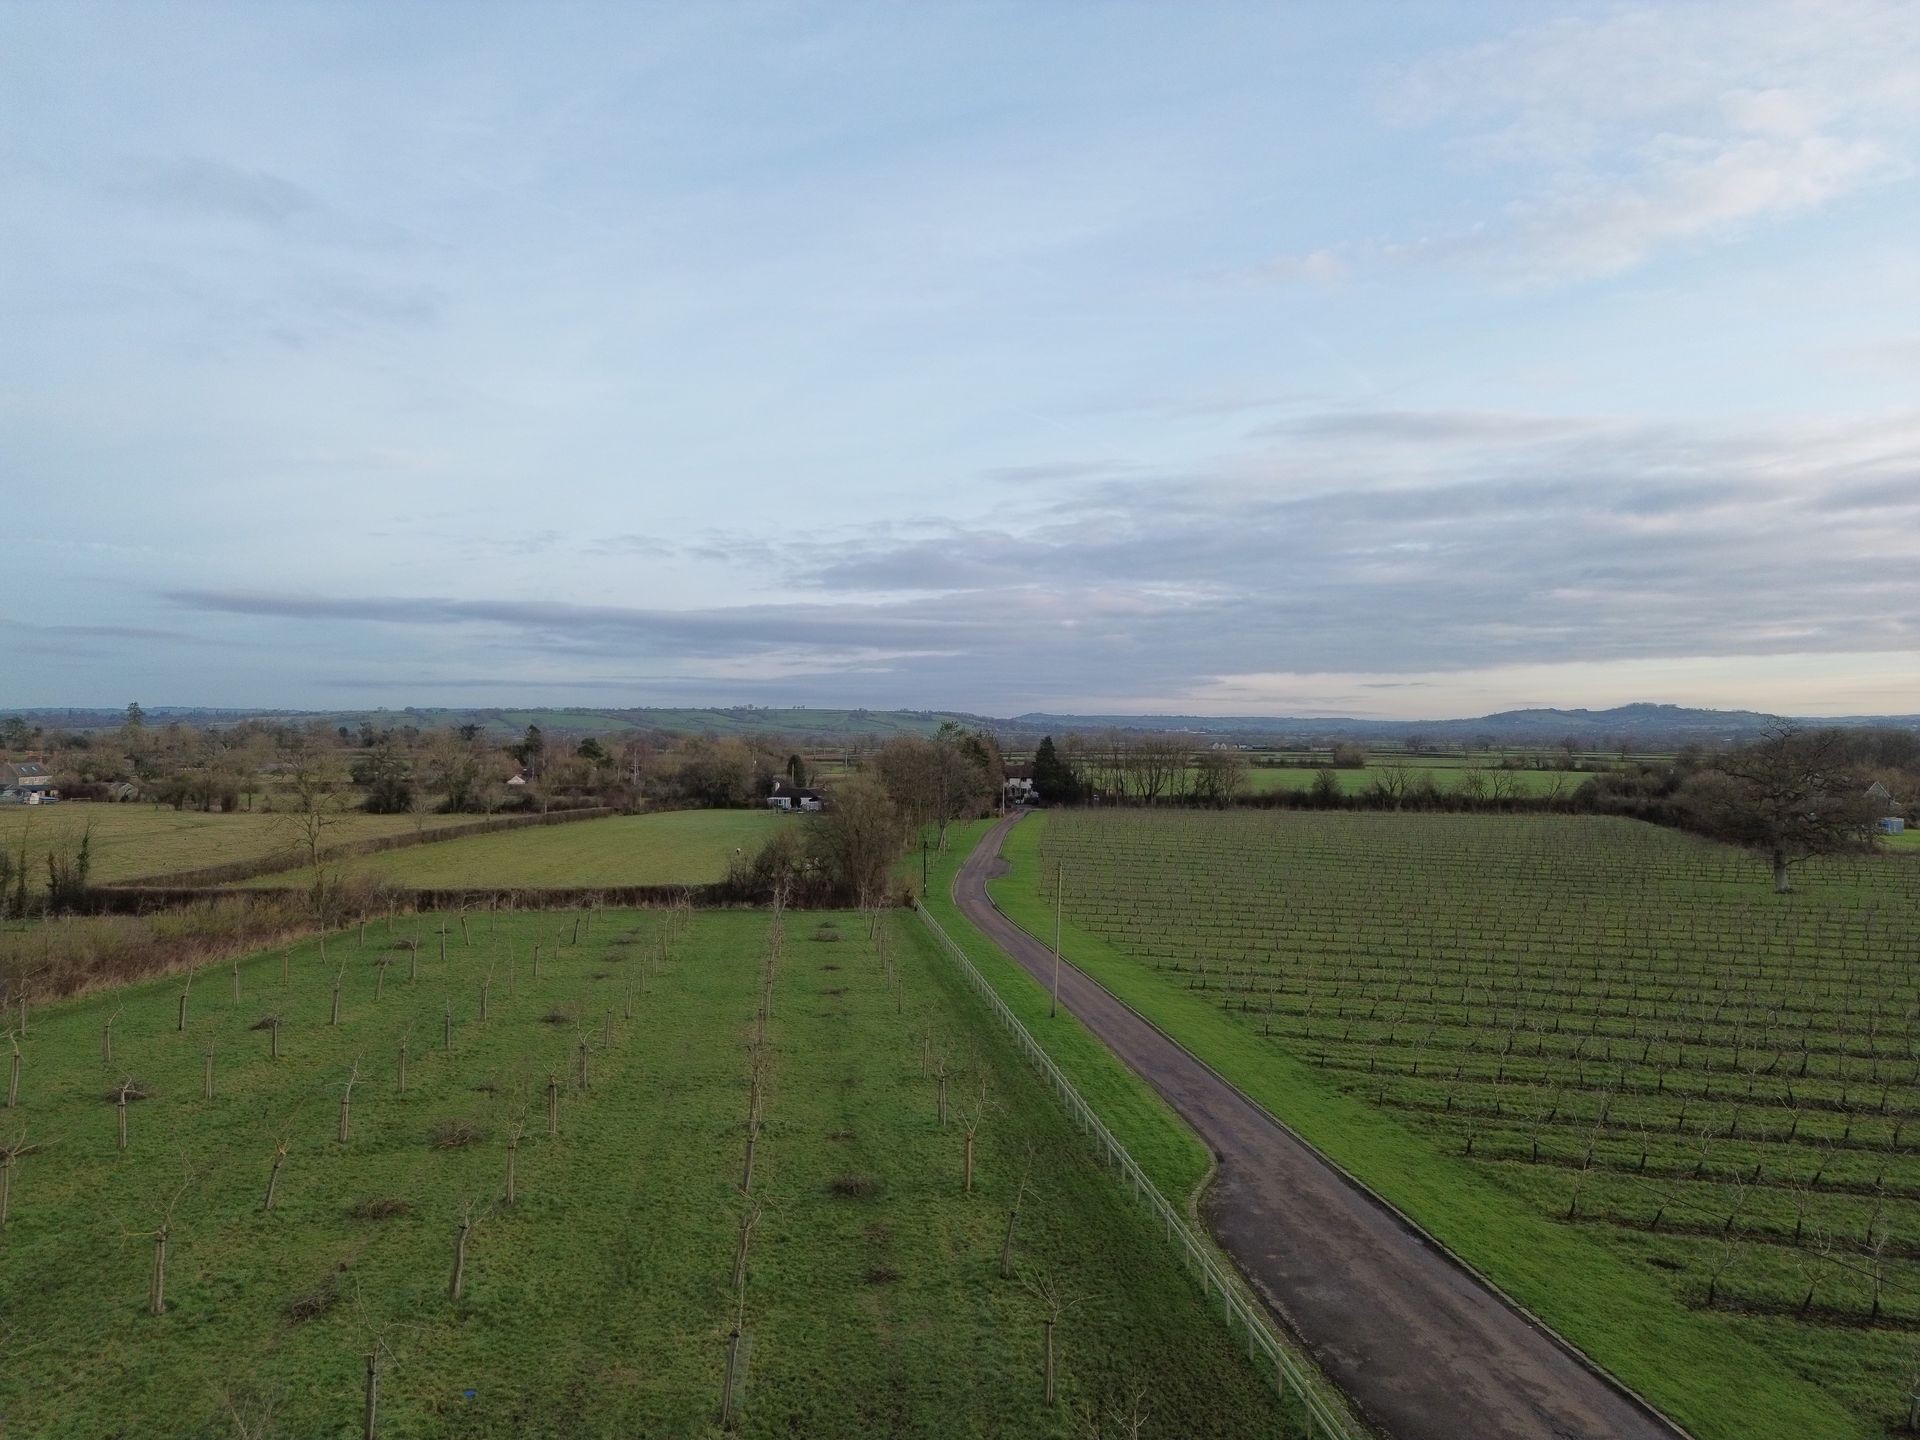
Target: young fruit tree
{"x":10,"y":1153}
{"x":1054,"y":1304}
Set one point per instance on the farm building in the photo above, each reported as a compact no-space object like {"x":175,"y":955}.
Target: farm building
{"x":25,"y":775}
{"x":788,"y":796}
{"x":1890,"y":815}
{"x":25,"y":782}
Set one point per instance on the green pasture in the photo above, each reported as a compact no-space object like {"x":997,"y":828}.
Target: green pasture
{"x":1446,"y":777}
{"x":1429,"y":998}
{"x":671,"y":847}
{"x":601,"y":1301}
{"x":134,"y":841}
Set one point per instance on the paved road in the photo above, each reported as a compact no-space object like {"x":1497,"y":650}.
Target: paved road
{"x":1416,"y":1342}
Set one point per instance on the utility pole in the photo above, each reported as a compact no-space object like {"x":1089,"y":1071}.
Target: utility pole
{"x":923,"y":867}
{"x":1059,"y":889}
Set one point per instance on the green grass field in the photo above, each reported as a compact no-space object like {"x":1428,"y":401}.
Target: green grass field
{"x":1400,"y":987}
{"x":1446,"y":777}
{"x":600,"y":1302}
{"x":673,"y":847}
{"x":133,"y":841}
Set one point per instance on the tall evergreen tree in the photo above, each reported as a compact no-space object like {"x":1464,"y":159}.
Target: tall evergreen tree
{"x":1052,"y":776}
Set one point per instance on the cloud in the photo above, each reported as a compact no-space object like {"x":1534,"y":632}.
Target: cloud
{"x":1538,"y":541}
{"x":1637,"y":131}
{"x":633,"y":544}
{"x":1427,"y":427}
{"x":105,"y":632}
{"x":1046,"y":470}
{"x":197,"y":185}
{"x":1688,"y":189}
{"x":1325,"y":266}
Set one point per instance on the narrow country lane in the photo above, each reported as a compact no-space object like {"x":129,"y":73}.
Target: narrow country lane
{"x":1423,"y":1348}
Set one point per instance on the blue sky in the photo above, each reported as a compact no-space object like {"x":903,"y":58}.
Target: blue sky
{"x":1403,"y":360}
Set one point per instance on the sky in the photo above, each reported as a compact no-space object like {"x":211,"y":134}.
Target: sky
{"x":1396,"y":361}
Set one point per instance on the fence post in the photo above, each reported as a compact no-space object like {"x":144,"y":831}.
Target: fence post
{"x":1114,"y":1153}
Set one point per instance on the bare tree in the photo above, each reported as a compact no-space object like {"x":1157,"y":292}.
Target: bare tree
{"x":315,"y":783}
{"x":1054,"y":1305}
{"x":10,"y":1152}
{"x":1013,"y":1216}
{"x":273,"y":1173}
{"x":858,"y":838}
{"x":1788,"y":796}
{"x":160,"y":1234}
{"x":970,"y":1128}
{"x":1218,"y":776}
{"x":457,"y":1282}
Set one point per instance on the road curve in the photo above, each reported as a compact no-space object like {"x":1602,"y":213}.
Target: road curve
{"x":1423,"y":1349}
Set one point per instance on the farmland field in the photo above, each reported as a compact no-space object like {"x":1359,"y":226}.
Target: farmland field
{"x":1670,"y":1111}
{"x":601,"y":1300}
{"x":1446,"y":778}
{"x":133,"y":841}
{"x":673,"y":847}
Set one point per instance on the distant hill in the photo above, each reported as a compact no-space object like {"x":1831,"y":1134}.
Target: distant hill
{"x":1640,"y":726}
{"x":800,"y":722}
{"x":1641,"y":722}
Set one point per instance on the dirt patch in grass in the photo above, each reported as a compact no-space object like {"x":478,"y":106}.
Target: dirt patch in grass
{"x":882,"y":1275}
{"x":854,"y":1187}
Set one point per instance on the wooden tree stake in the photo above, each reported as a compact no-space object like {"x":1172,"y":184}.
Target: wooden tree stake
{"x":459,"y":1280}
{"x":273,"y":1174}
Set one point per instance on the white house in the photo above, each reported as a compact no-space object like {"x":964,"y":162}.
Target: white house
{"x":787,"y":796}
{"x":1018,"y":787}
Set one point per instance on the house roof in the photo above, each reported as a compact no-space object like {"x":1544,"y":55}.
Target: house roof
{"x":787,"y":790}
{"x":23,"y":770}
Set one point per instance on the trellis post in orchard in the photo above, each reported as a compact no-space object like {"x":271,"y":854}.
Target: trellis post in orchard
{"x":1059,"y":901}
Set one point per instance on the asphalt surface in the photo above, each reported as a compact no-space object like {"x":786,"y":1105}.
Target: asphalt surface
{"x":1421,"y":1347}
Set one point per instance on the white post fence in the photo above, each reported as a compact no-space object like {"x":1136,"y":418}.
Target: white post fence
{"x":1236,"y":1311}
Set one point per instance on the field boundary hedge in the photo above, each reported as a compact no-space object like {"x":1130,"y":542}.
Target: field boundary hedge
{"x":1260,"y":1333}
{"x":716,"y":895}
{"x":233,"y":871}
